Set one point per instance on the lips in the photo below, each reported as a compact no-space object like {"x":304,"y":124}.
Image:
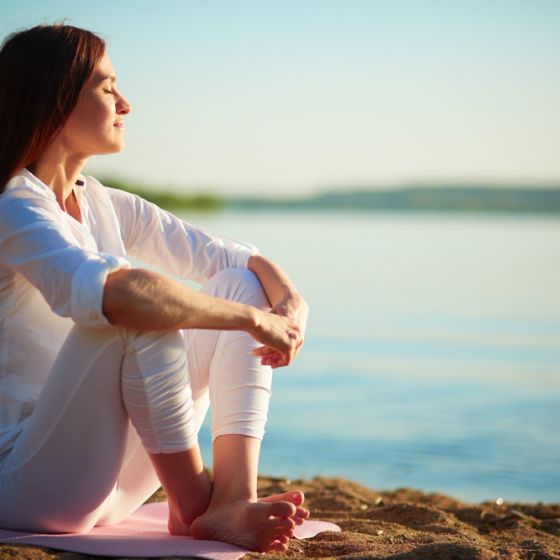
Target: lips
{"x":119,"y":125}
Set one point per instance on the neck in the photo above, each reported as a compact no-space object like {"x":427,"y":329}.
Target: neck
{"x":58,"y":173}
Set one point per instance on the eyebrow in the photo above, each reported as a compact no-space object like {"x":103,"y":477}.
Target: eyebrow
{"x":107,"y":77}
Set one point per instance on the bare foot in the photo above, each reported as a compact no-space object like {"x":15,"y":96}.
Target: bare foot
{"x":261,"y":526}
{"x":175,"y":525}
{"x":180,"y":518}
{"x":295,"y":497}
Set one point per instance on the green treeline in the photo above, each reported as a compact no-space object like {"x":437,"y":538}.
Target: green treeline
{"x":449,"y":199}
{"x":452,"y":198}
{"x":169,"y":200}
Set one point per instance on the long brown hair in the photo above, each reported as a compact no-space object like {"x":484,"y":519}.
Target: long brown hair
{"x":42,"y":73}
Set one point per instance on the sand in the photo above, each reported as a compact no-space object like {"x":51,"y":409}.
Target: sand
{"x":403,"y":524}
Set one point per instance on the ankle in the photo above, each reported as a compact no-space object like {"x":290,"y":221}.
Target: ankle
{"x":240,"y":482}
{"x":222,"y":496}
{"x":187,"y":508}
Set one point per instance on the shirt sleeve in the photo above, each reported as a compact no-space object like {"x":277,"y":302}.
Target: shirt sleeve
{"x":35,"y":243}
{"x":164,"y":240}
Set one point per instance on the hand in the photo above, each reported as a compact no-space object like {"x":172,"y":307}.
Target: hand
{"x":280,"y":337}
{"x":296,"y":309}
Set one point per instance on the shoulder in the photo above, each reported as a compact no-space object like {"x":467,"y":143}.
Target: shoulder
{"x":103,"y":197}
{"x":25,"y":191}
{"x":24,"y":185}
{"x":95,"y":192}
{"x":114,"y":196}
{"x":27,"y":203}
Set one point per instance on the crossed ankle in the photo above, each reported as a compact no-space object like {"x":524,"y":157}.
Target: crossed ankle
{"x":221,"y":500}
{"x":226,"y":494}
{"x":186,"y":510}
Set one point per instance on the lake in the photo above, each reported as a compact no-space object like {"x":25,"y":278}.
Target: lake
{"x":432,"y":357}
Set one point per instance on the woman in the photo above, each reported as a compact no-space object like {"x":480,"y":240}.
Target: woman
{"x":89,"y":346}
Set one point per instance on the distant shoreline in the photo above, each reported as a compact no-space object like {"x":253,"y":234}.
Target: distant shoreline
{"x":439,"y":198}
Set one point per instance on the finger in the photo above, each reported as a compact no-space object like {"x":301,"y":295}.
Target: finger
{"x":283,"y":362}
{"x":273,"y":361}
{"x":273,"y":354}
{"x":262,"y":351}
{"x":276,"y":361}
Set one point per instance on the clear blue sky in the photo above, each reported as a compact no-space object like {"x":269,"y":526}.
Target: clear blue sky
{"x":286,"y":96}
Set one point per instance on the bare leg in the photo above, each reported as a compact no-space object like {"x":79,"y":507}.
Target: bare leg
{"x":235,"y":515}
{"x":187,"y":487}
{"x":239,"y":390}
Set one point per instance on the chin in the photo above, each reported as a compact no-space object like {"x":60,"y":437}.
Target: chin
{"x":111,"y":149}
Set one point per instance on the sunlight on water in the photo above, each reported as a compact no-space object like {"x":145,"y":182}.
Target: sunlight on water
{"x":432,"y":356}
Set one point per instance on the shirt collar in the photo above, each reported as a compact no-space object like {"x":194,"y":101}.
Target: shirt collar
{"x":35,"y":182}
{"x":80,"y":182}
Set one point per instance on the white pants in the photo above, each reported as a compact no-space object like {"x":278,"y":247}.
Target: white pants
{"x":79,"y":462}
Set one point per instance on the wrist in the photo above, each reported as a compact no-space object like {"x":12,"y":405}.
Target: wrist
{"x":291,"y":300}
{"x":252,"y":319}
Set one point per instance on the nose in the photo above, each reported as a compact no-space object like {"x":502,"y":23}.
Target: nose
{"x":123,"y":106}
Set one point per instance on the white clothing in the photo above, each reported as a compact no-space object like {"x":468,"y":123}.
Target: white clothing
{"x":53,"y":269}
{"x":78,"y":463}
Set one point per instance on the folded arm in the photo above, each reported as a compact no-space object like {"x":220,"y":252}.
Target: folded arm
{"x":180,"y":248}
{"x":285,"y":301}
{"x":145,"y":300}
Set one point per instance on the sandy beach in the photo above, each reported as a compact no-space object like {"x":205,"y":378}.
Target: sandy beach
{"x":403,"y":524}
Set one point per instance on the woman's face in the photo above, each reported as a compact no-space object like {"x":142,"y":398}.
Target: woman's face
{"x":96,"y":125}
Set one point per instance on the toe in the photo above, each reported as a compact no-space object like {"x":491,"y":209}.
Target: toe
{"x":284,"y":524}
{"x":296,"y":497}
{"x":284,"y":539}
{"x":282,"y":509}
{"x":277,"y":546}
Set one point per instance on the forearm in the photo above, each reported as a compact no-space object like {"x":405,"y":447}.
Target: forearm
{"x":275,"y":282}
{"x":145,"y":300}
{"x":285,"y":301}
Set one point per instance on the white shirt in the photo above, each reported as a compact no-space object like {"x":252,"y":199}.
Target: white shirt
{"x":53,"y":271}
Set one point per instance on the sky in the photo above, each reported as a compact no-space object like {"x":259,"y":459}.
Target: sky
{"x":284,"y":97}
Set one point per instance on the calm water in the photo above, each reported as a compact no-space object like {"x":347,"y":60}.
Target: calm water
{"x":432,"y":356}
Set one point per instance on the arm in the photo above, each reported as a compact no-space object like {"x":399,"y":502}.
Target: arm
{"x":144,"y":300}
{"x":35,"y":243}
{"x":285,"y":301}
{"x":162,"y":239}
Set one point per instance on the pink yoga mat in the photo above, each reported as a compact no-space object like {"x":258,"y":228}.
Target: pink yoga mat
{"x":144,"y":534}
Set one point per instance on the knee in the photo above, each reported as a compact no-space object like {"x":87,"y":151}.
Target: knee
{"x":234,"y":277}
{"x":239,"y":285}
{"x":150,"y":344}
